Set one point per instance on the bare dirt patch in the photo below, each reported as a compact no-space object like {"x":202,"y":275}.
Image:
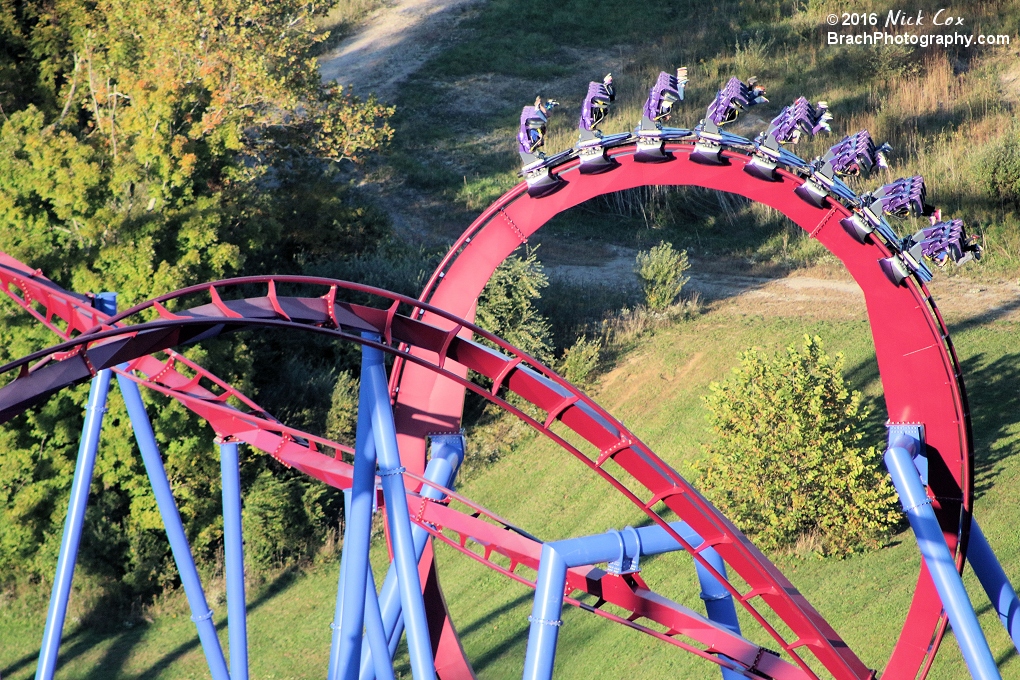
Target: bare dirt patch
{"x":821,"y":292}
{"x":393,"y":43}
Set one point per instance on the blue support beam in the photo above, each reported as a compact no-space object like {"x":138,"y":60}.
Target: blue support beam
{"x":447,"y":456}
{"x":77,"y":503}
{"x":378,"y":651}
{"x":200,"y":612}
{"x":995,"y":582}
{"x":345,"y":658}
{"x":338,"y":612}
{"x":384,"y":432}
{"x":937,"y":557}
{"x":718,"y":601}
{"x":621,"y":549}
{"x":233,"y":551}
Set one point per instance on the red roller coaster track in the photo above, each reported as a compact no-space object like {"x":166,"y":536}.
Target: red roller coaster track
{"x":434,"y":354}
{"x":915,"y":354}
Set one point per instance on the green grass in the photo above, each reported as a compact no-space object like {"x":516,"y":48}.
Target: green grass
{"x":943,"y":111}
{"x":656,"y":389}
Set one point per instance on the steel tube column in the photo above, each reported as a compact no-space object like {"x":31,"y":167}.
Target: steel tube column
{"x":384,"y":432}
{"x":338,"y":612}
{"x":375,"y":635}
{"x":545,"y":619}
{"x":939,"y":561}
{"x":442,"y":468}
{"x":76,"y":505}
{"x":559,"y":556}
{"x":995,"y":582}
{"x":200,"y":612}
{"x":233,"y":554}
{"x":718,"y":602}
{"x":346,"y":658}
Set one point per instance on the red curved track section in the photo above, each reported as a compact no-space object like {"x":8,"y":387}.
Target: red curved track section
{"x":917,"y":362}
{"x":110,"y":343}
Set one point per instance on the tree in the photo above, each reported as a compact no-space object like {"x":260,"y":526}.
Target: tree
{"x":661,"y":271}
{"x":506,"y":306}
{"x":788,"y":460}
{"x":145,"y":147}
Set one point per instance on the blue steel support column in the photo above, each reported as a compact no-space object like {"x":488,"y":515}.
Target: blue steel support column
{"x":620,"y":548}
{"x":338,"y":613}
{"x":358,"y":538}
{"x":545,"y":615}
{"x":378,"y":647}
{"x":447,"y":456}
{"x":200,"y":612}
{"x":87,"y":449}
{"x":233,"y":552}
{"x":939,"y":561}
{"x":993,"y":579}
{"x":718,"y":601}
{"x":413,"y":604}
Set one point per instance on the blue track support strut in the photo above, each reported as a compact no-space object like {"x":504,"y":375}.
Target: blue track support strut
{"x":447,"y":456}
{"x":345,"y":658}
{"x":375,"y":635}
{"x":404,"y":559}
{"x":995,"y":582}
{"x":938,"y":559}
{"x":718,"y":601}
{"x":338,"y":612}
{"x":621,"y":549}
{"x":71,"y":539}
{"x":200,"y":612}
{"x":233,"y":553}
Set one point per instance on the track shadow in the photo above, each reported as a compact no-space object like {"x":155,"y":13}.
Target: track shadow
{"x":995,"y":411}
{"x":78,"y":646}
{"x":494,"y":614}
{"x":983,"y":318}
{"x":112,"y":662}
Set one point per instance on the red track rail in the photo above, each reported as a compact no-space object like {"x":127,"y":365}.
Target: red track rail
{"x":918,"y":365}
{"x":300,"y":450}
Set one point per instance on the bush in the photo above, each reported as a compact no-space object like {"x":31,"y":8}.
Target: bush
{"x":788,"y":463}
{"x":506,"y":306}
{"x":276,"y":524}
{"x":1001,"y":169}
{"x":661,"y":271}
{"x":342,"y":419}
{"x":580,"y":360}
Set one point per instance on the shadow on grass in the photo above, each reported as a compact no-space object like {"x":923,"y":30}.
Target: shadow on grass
{"x":111,"y":664}
{"x":991,"y":384}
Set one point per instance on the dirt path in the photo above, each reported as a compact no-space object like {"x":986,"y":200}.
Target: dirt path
{"x":394,"y":42}
{"x":821,"y":293}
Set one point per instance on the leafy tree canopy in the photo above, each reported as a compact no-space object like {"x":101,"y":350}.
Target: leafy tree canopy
{"x":146,"y":146}
{"x":133,"y":133}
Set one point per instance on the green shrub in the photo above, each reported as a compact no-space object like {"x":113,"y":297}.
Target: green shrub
{"x":788,"y":463}
{"x":1001,"y":169}
{"x":276,"y":524}
{"x":506,"y":306}
{"x":342,"y":419}
{"x":661,"y":271}
{"x":580,"y":360}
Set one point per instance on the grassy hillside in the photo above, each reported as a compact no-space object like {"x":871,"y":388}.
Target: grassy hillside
{"x":656,"y":389}
{"x":945,"y":111}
